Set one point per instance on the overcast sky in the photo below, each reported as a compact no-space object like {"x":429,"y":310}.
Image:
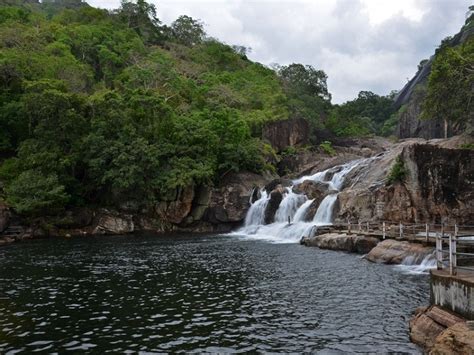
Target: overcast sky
{"x":371,"y":45}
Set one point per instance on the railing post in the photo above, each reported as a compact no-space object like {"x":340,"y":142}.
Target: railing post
{"x":360,"y":226}
{"x":451,"y":244}
{"x":383,"y":230}
{"x":367,"y":227}
{"x":439,"y":252}
{"x":455,"y":239}
{"x":348,"y":227}
{"x":401,"y":230}
{"x":427,"y":232}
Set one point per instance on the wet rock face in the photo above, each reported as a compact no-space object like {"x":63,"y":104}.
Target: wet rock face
{"x":112,"y":223}
{"x":276,"y":196}
{"x":394,"y":252}
{"x":230,"y":202}
{"x":175,"y":211}
{"x":445,"y":176}
{"x":287,"y":133}
{"x":4,"y":217}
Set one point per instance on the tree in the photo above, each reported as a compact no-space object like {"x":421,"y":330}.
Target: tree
{"x":188,"y":31}
{"x":304,"y":79}
{"x":34,"y":193}
{"x":141,"y":17}
{"x":450,"y":91}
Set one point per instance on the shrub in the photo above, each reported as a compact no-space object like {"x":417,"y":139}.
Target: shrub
{"x":327,"y":147}
{"x":398,"y":173}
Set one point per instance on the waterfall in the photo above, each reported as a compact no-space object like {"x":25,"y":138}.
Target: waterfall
{"x":295,"y":206}
{"x":300,"y":215}
{"x":410,"y":264}
{"x":256,"y":214}
{"x":323,"y":215}
{"x":289,"y":205}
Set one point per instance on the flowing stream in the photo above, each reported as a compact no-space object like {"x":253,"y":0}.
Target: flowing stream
{"x":217,"y":294}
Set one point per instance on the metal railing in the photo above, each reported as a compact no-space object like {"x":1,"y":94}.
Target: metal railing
{"x":454,"y":243}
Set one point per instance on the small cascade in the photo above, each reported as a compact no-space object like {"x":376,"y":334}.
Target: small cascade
{"x":411,"y":264}
{"x":300,"y":215}
{"x":289,"y":206}
{"x":256,"y":214}
{"x":323,"y":215}
{"x":295,"y":208}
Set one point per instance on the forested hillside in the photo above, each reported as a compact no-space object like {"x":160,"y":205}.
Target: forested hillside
{"x":99,"y":107}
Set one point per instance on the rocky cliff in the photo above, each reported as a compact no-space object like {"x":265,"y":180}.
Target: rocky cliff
{"x":410,"y":99}
{"x":286,"y":133}
{"x":439,"y":186}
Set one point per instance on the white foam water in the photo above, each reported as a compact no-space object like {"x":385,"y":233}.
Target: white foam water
{"x":411,"y":265}
{"x":294,"y":208}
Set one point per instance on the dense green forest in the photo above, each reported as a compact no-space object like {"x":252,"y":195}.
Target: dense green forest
{"x":100,"y":107}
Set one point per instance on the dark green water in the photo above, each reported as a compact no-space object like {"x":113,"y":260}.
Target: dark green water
{"x":214,"y":293}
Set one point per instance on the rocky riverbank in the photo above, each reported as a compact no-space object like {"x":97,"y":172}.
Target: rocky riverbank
{"x":439,"y":331}
{"x":388,"y":251}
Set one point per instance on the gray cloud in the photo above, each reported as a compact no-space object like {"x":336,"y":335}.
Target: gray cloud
{"x":336,"y":36}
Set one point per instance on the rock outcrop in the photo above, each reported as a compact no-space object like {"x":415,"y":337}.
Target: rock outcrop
{"x":230,"y":201}
{"x":411,"y":97}
{"x":438,"y":187}
{"x":392,"y":251}
{"x":439,"y":331}
{"x":286,"y":133}
{"x":113,"y":223}
{"x":345,"y":242}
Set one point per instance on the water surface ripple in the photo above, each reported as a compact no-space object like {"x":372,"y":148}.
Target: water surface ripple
{"x":202,"y":294}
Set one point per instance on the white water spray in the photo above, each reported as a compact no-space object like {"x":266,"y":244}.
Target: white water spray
{"x":295,"y":208}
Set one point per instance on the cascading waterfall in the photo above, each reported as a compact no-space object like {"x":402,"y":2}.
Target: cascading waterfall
{"x":411,"y":265}
{"x":296,"y":206}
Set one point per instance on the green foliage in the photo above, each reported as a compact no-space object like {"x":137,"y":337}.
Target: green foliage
{"x":96,"y":108}
{"x":467,"y":146}
{"x":307,"y":92}
{"x":187,"y":31}
{"x":398,"y":173}
{"x":35,"y":193}
{"x":328,"y":148}
{"x":450,"y":93}
{"x":368,"y":114}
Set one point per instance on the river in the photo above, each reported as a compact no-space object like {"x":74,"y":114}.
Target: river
{"x":200,"y":293}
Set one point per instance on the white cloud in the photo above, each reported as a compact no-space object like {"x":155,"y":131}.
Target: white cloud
{"x":361,"y":44}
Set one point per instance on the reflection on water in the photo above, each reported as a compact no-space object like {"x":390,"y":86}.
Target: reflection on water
{"x":216,"y":293}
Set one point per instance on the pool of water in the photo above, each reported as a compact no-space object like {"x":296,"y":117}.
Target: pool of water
{"x":200,"y":293}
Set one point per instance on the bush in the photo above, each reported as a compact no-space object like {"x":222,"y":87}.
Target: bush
{"x":467,"y":146}
{"x":328,"y":148}
{"x":398,"y":173}
{"x":33,"y":193}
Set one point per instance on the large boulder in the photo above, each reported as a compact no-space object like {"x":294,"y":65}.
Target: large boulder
{"x":113,"y":223}
{"x":286,"y":133}
{"x":457,"y":339}
{"x":276,"y":196}
{"x":435,"y":328}
{"x":312,"y":189}
{"x":346,"y":242}
{"x":395,"y":252}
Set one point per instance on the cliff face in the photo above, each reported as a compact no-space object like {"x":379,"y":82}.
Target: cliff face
{"x":439,"y":186}
{"x":411,"y":97}
{"x":286,"y":133}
